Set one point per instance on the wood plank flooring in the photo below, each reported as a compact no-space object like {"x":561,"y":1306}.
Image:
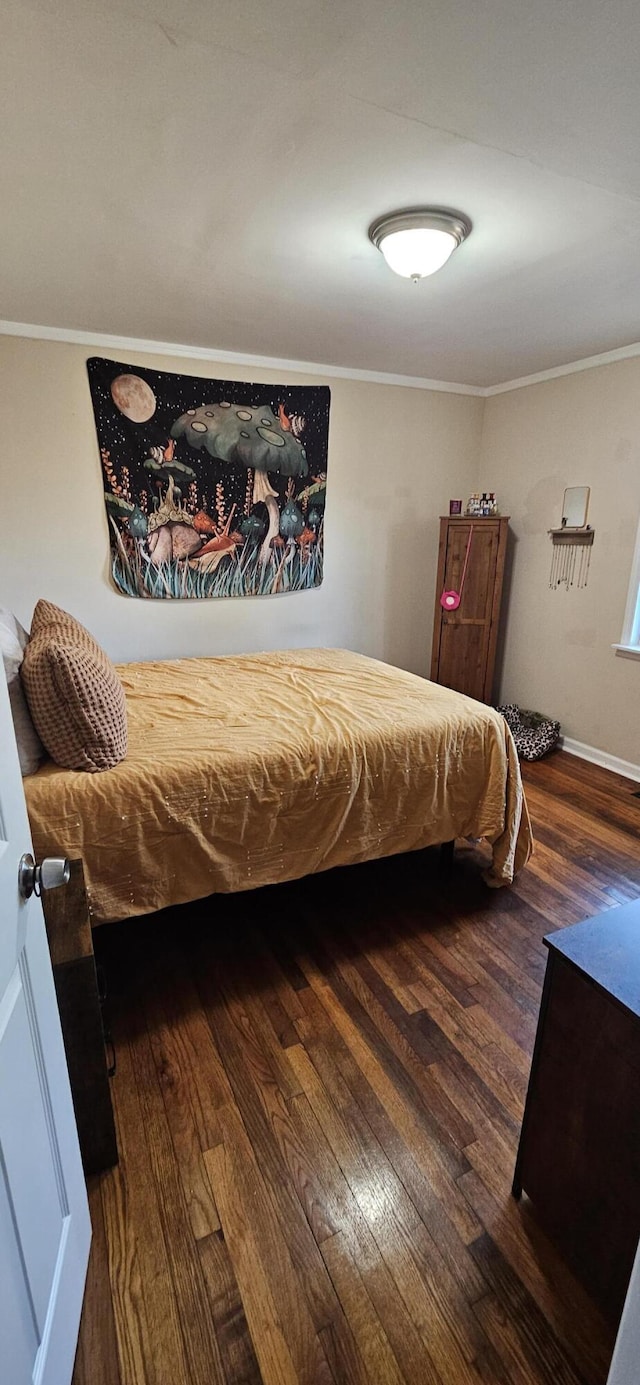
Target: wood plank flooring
{"x":318,"y":1098}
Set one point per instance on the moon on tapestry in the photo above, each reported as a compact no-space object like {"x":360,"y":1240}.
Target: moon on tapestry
{"x":133,"y":397}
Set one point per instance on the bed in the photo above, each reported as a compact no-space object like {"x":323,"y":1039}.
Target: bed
{"x":246,"y":771}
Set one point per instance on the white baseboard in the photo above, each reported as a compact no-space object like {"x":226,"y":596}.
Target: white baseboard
{"x":601,"y":757}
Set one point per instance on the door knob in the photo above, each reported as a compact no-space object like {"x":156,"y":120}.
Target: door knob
{"x":32,"y":879}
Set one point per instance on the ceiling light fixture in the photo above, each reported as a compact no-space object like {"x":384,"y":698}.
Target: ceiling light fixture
{"x":418,"y":241}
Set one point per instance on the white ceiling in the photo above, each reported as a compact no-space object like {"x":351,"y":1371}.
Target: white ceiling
{"x":204,"y":171}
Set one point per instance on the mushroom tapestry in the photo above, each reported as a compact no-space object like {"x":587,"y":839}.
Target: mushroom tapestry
{"x":212,"y":487}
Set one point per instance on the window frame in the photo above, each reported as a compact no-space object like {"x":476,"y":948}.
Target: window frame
{"x":629,"y":645}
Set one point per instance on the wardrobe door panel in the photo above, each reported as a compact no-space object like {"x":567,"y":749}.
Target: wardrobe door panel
{"x":471,"y":563}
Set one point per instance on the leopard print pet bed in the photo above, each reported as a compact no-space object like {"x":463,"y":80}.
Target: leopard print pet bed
{"x":533,"y":734}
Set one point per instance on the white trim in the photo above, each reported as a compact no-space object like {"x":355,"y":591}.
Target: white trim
{"x":602,"y":758}
{"x":628,"y":651}
{"x":626,"y":1353}
{"x":621,"y":353}
{"x":237,"y":358}
{"x":78,"y":337}
{"x":629,"y":638}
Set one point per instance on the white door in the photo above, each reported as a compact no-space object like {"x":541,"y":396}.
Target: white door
{"x":44,"y":1217}
{"x":625,"y":1364}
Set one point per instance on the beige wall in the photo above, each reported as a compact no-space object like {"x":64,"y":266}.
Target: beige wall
{"x":578,"y":429}
{"x":396,"y":456}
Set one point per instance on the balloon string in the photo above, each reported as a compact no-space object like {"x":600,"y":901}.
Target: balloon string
{"x":466,"y":560}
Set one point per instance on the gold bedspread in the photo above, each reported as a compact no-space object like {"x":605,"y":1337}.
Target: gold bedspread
{"x":245,"y":771}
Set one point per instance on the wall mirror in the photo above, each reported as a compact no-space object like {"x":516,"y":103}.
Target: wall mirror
{"x":575,"y":507}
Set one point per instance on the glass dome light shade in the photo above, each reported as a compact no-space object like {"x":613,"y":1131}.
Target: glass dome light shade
{"x":417,"y":242}
{"x":417,"y":253}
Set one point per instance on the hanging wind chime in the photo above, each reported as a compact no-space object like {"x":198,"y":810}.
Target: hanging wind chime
{"x":570,"y":559}
{"x":572,"y":542}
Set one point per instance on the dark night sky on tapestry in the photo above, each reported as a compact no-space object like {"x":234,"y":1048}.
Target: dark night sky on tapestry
{"x":212,"y":487}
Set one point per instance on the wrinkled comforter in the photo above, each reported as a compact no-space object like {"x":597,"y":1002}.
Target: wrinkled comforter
{"x":245,"y":771}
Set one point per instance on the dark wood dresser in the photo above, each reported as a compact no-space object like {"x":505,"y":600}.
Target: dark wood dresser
{"x":579,"y":1153}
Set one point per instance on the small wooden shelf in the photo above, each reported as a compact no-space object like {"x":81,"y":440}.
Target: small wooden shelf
{"x":572,"y":535}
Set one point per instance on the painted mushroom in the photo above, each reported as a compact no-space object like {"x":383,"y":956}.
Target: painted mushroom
{"x":250,"y":437}
{"x":291,"y":521}
{"x":313,"y":498}
{"x":252,"y":528}
{"x":291,"y":524}
{"x":117,"y":506}
{"x":171,"y":532}
{"x":164,"y":471}
{"x":138,"y":523}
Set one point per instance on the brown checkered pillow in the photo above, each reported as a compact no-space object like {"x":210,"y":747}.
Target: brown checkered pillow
{"x":75,"y":696}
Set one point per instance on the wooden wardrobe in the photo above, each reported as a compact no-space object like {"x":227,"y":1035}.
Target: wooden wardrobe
{"x":464,"y":640}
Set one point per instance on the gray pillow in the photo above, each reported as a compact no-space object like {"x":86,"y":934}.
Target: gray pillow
{"x":13,"y":642}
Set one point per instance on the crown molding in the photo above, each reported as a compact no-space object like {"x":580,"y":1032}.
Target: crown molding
{"x":76,"y":337}
{"x":238,"y":358}
{"x":620,"y":353}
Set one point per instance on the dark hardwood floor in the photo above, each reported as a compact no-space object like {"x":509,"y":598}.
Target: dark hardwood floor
{"x":318,"y":1098}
